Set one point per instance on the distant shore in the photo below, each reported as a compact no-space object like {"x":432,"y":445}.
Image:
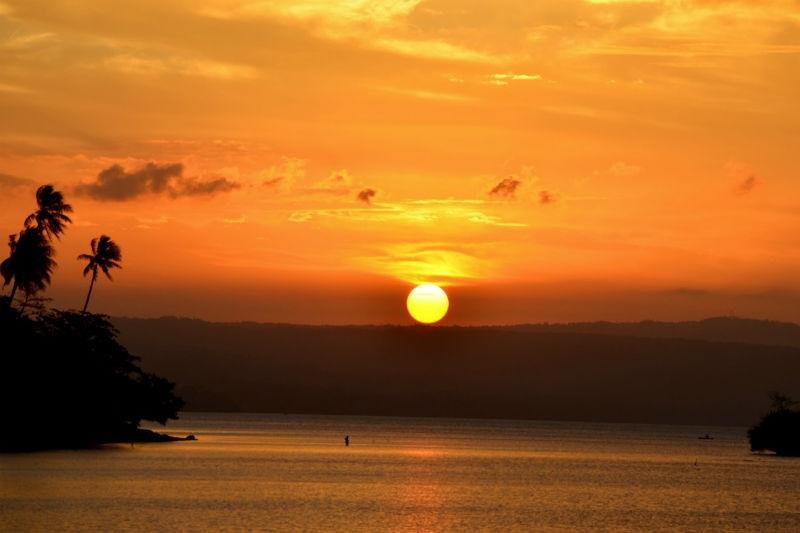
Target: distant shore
{"x":72,"y":442}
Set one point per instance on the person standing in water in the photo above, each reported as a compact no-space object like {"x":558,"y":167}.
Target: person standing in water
{"x":347,"y":440}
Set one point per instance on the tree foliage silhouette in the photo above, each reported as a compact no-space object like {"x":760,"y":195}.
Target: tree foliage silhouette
{"x":64,"y":378}
{"x":105,"y":256}
{"x":30,"y":263}
{"x":68,"y":382}
{"x":51,"y":216}
{"x":779,"y":430}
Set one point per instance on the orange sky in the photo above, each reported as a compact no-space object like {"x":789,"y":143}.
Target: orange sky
{"x":642,"y":155}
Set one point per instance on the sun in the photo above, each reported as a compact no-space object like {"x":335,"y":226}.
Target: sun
{"x":427,"y":303}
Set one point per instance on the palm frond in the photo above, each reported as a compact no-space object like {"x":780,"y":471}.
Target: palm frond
{"x":106,"y":255}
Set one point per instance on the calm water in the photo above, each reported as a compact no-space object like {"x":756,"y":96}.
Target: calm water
{"x":293,"y":473}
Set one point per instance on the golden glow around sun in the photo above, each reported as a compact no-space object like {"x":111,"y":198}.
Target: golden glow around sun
{"x":427,"y":303}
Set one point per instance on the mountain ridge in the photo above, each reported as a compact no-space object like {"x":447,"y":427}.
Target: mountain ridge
{"x":472,"y":372}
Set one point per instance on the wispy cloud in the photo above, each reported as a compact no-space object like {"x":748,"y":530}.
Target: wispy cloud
{"x":14,"y":89}
{"x":411,"y":212}
{"x":152,"y":221}
{"x":27,"y":41}
{"x":203,"y":187}
{"x":546,"y":197}
{"x":334,"y":15}
{"x":284,"y":174}
{"x":9,"y":181}
{"x":376,"y":24}
{"x":338,"y":182}
{"x":149,"y":65}
{"x":744,"y":176}
{"x":435,"y":262}
{"x":432,"y":49}
{"x":747,"y":185}
{"x":507,"y":188}
{"x":238,"y":220}
{"x":506,"y":77}
{"x":431,"y":95}
{"x":622,"y":169}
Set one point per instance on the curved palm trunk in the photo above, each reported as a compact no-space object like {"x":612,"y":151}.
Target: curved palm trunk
{"x":13,"y":292}
{"x":91,"y":286}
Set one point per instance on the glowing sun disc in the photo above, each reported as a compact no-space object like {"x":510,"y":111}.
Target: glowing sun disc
{"x":427,"y":303}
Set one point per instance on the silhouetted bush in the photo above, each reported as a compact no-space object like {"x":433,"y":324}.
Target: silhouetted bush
{"x":779,"y":430}
{"x":65,"y":381}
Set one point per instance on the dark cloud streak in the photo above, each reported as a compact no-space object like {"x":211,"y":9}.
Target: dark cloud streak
{"x":507,"y":188}
{"x":197,"y":187}
{"x":747,"y":185}
{"x":9,"y":181}
{"x":546,"y":197}
{"x":115,"y":184}
{"x":366,"y":195}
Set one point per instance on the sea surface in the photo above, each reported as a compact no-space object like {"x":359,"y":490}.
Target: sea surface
{"x":253,"y":472}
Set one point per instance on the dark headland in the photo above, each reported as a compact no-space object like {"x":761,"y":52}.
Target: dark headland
{"x":66,"y":382}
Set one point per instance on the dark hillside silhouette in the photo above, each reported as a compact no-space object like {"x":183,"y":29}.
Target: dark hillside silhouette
{"x":460,"y":371}
{"x":723,"y":329}
{"x":66,"y":382}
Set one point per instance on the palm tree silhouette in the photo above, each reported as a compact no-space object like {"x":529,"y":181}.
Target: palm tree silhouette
{"x":105,"y":255}
{"x":30,"y":263}
{"x":51,"y":216}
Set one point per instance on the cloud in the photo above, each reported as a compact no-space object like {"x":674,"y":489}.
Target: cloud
{"x":285,"y":173}
{"x":27,"y":41}
{"x":338,"y":182}
{"x":118,"y":185}
{"x":7,"y":181}
{"x":150,"y":221}
{"x":435,"y":262}
{"x":140,"y":64}
{"x":381,"y":25}
{"x":238,"y":220}
{"x":506,"y":77}
{"x":366,"y":195}
{"x":432,"y":211}
{"x":621,"y":169}
{"x":13,"y":89}
{"x":432,"y":49}
{"x":115,"y":184}
{"x":430,"y":95}
{"x":493,"y":220}
{"x":198,"y":187}
{"x":747,"y":185}
{"x":507,"y":188}
{"x":546,"y":197}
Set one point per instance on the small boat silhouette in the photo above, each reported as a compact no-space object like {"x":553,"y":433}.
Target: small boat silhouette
{"x":706,"y":437}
